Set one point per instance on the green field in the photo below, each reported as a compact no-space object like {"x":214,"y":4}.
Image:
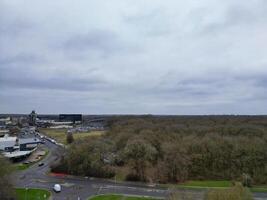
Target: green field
{"x":32,"y":194}
{"x":60,"y":134}
{"x":118,"y":197}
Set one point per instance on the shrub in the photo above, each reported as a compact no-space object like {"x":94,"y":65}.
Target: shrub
{"x":237,"y":192}
{"x":69,"y":138}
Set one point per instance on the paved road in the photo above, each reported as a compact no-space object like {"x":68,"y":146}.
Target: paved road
{"x":74,"y":187}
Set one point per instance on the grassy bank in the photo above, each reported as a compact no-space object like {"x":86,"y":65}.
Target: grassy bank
{"x":22,"y":166}
{"x":60,"y":134}
{"x":118,"y":197}
{"x":32,"y":194}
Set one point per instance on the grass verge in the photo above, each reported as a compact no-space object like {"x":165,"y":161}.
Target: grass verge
{"x":259,"y":189}
{"x":118,"y":197}
{"x":32,"y":194}
{"x":200,"y":185}
{"x":207,"y":184}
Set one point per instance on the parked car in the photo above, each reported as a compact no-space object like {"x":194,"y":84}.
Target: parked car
{"x":57,"y":188}
{"x":40,"y":164}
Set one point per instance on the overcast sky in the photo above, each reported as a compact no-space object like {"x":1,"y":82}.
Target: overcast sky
{"x":133,"y":56}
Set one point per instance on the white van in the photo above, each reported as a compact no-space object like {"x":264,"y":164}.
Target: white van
{"x":57,"y":188}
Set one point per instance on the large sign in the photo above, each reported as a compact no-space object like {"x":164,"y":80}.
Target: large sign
{"x":70,"y":117}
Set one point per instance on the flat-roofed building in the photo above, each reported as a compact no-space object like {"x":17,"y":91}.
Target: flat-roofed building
{"x":14,"y":147}
{"x":28,"y":143}
{"x":8,"y":143}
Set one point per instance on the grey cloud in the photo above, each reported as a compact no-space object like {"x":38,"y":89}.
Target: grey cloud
{"x":54,"y":83}
{"x":171,"y":57}
{"x":236,"y":15}
{"x":14,"y":27}
{"x":104,"y":42}
{"x":20,"y":59}
{"x":151,"y":23}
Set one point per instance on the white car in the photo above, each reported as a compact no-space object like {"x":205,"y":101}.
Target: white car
{"x":57,"y":188}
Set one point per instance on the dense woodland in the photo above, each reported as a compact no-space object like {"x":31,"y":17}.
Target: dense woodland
{"x":174,"y":149}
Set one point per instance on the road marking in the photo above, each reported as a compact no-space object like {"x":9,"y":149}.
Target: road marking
{"x":133,"y":188}
{"x":68,"y":184}
{"x":98,"y":192}
{"x":41,"y":181}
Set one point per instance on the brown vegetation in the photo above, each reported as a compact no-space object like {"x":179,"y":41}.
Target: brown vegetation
{"x":175,"y":149}
{"x":238,"y":192}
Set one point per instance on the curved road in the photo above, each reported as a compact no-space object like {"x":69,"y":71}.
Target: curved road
{"x":74,"y":187}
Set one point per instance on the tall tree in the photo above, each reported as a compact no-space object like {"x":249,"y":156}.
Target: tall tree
{"x":176,"y":162}
{"x":139,"y":153}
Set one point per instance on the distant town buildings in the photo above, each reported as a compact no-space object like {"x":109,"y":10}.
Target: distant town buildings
{"x":5,"y":121}
{"x":19,"y":135}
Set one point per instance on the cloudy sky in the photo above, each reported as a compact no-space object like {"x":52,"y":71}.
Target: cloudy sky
{"x":133,"y":56}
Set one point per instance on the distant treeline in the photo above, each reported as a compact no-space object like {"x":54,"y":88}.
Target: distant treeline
{"x":174,"y":149}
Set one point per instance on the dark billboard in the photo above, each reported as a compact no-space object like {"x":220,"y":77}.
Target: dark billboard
{"x":70,"y":117}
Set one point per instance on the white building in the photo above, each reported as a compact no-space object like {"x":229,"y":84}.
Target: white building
{"x":8,"y":143}
{"x":13,"y":147}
